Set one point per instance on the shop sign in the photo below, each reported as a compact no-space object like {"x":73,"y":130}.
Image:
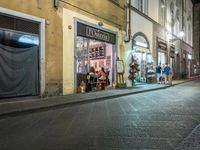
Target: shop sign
{"x":162,"y":45}
{"x":172,"y":49}
{"x":95,"y":33}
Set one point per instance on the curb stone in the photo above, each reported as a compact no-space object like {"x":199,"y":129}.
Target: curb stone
{"x":43,"y":105}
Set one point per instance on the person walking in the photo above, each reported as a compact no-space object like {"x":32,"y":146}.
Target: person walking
{"x":167,"y":73}
{"x":158,"y":73}
{"x":170,"y":75}
{"x":162,"y":75}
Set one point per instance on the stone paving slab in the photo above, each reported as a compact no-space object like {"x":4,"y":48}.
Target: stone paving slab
{"x":144,"y":121}
{"x":29,"y":105}
{"x":192,"y":142}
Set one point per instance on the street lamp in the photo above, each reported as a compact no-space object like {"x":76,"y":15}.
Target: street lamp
{"x":171,"y":39}
{"x":181,"y":34}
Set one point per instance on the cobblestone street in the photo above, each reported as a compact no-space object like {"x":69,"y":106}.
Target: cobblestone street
{"x":152,"y":120}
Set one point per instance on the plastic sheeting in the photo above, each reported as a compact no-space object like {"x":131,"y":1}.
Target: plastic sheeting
{"x":19,"y":71}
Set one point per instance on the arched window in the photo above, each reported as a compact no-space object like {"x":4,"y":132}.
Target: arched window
{"x":139,"y":39}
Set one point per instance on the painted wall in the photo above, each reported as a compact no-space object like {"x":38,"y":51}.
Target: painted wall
{"x":141,"y":24}
{"x":153,"y":11}
{"x":68,"y":46}
{"x":106,"y":11}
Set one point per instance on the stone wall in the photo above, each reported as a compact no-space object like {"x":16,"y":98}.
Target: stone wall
{"x":196,"y":32}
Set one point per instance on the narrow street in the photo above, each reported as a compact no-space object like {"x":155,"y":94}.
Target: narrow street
{"x":152,"y":120}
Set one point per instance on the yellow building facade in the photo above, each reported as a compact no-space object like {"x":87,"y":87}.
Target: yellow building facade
{"x":57,"y":34}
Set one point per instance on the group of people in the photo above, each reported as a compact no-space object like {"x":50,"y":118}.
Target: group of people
{"x":164,"y":74}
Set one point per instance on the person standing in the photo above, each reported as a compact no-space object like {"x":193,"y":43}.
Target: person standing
{"x":170,"y":75}
{"x":158,"y":73}
{"x":167,"y":70}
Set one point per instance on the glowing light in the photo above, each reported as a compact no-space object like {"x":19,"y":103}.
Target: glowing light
{"x":141,"y":44}
{"x":28,"y":39}
{"x":162,"y":6}
{"x":189,"y":56}
{"x":181,"y":34}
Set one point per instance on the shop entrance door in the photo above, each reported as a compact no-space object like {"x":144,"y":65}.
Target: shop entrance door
{"x":91,"y":57}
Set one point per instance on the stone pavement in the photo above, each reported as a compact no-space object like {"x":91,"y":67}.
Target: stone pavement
{"x":192,"y":142}
{"x":156,"y":120}
{"x":13,"y":107}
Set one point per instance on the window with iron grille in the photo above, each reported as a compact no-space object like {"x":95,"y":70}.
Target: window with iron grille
{"x":115,"y":1}
{"x":18,"y":24}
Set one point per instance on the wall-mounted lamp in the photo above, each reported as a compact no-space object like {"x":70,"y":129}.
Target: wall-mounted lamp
{"x":181,"y":34}
{"x":162,"y":5}
{"x":189,"y":56}
{"x":171,"y":39}
{"x":100,"y":23}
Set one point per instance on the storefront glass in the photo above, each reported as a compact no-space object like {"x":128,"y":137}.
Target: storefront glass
{"x":145,"y":61}
{"x":95,"y":52}
{"x":92,"y":56}
{"x":162,"y":58}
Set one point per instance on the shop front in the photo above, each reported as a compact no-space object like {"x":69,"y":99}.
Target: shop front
{"x":89,"y":53}
{"x":95,"y":52}
{"x":143,"y":56}
{"x":162,"y":52}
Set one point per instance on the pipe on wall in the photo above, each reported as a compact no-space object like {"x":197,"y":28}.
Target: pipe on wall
{"x":128,"y":31}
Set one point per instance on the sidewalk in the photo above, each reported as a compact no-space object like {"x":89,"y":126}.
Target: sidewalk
{"x":8,"y":108}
